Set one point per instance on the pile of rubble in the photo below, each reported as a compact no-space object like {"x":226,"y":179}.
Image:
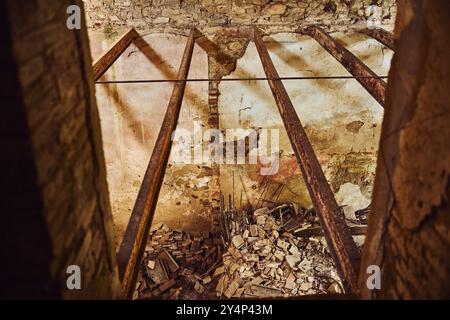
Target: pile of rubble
{"x":264,"y":259}
{"x":272,"y":252}
{"x":176,"y":265}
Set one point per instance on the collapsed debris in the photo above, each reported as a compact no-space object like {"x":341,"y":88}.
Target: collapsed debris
{"x":265,"y":259}
{"x":272,"y":252}
{"x":176,"y":264}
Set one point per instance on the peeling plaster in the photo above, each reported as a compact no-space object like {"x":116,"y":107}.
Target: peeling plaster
{"x":341,"y":119}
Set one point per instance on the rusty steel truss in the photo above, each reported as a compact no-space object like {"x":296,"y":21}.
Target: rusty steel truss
{"x":337,"y":234}
{"x":366,"y":77}
{"x":382,"y":36}
{"x":339,"y":239}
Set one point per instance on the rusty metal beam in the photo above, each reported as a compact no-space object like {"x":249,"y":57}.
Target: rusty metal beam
{"x":366,"y":77}
{"x":102,"y":64}
{"x":136,"y":234}
{"x":340,"y":242}
{"x":382,"y":36}
{"x":212,"y":49}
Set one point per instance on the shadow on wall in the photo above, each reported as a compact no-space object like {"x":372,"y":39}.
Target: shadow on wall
{"x":158,"y":61}
{"x":124,"y":129}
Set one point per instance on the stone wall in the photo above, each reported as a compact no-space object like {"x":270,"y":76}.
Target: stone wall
{"x":211,"y":15}
{"x":408,"y":234}
{"x":58,"y":213}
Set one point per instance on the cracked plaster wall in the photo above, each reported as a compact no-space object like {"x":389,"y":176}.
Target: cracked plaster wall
{"x":341,"y":118}
{"x":131,"y":116}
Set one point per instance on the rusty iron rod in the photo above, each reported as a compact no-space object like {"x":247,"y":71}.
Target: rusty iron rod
{"x":337,"y":235}
{"x":235,"y":79}
{"x":363,"y":74}
{"x":102,"y":64}
{"x":382,"y":36}
{"x":136,"y":234}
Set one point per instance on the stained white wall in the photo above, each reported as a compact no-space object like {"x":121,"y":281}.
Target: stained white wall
{"x":341,"y":118}
{"x":131,"y":117}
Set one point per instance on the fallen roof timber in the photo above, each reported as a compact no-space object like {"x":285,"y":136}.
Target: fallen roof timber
{"x":318,"y":231}
{"x":382,"y":36}
{"x":363,"y":74}
{"x":102,"y":64}
{"x":337,"y":235}
{"x":136,"y":234}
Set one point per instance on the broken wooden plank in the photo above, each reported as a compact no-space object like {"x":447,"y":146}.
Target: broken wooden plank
{"x":318,"y":231}
{"x":169,"y":261}
{"x":103,"y":63}
{"x":136,"y":234}
{"x":231,"y":290}
{"x":292,"y":224}
{"x":382,"y":36}
{"x":266,"y":292}
{"x":362,"y":73}
{"x":340,"y":242}
{"x":158,"y":274}
{"x":167,"y":285}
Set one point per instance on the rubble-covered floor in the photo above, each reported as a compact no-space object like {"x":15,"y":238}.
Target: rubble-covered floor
{"x":278,"y":252}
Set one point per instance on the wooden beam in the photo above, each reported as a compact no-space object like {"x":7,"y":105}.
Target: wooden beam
{"x":340,"y":242}
{"x":136,"y":234}
{"x":382,"y":36}
{"x":101,"y":65}
{"x":366,"y":77}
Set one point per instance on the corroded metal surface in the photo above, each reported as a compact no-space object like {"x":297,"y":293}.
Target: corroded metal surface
{"x":366,"y":77}
{"x":382,"y":36}
{"x":340,"y":242}
{"x":134,"y":241}
{"x":102,"y":64}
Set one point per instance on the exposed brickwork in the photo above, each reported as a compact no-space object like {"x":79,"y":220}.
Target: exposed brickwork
{"x":409,"y":235}
{"x":60,"y":135}
{"x":213,"y":122}
{"x":230,"y":49}
{"x":272,"y":16}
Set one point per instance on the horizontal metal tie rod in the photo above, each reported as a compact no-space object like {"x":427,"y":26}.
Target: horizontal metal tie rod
{"x":238,"y":79}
